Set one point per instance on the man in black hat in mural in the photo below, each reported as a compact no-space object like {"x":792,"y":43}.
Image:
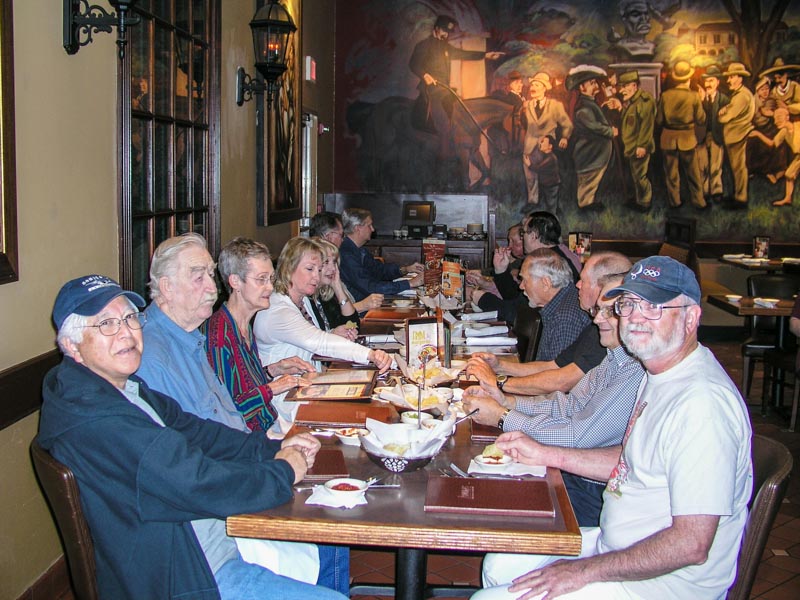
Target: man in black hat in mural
{"x":711,"y":150}
{"x":592,"y":136}
{"x":430,"y":61}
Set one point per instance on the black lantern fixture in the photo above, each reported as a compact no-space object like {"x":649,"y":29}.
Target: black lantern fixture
{"x":82,"y":20}
{"x":272,"y":32}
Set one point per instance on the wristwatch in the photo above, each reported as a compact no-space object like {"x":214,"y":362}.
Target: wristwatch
{"x":502,"y":419}
{"x":501,"y":381}
{"x":345,"y":301}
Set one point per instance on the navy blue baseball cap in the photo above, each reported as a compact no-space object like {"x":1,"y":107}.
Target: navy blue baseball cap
{"x":87,"y":296}
{"x":659,"y":279}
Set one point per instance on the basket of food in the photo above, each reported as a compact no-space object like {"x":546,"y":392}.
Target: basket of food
{"x":403,"y":447}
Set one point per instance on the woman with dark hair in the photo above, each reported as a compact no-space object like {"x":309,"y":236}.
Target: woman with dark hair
{"x":246,"y":270}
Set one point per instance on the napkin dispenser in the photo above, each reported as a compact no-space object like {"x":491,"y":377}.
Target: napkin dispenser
{"x":418,"y":232}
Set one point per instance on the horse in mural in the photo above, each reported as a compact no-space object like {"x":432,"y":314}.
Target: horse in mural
{"x":394,"y":156}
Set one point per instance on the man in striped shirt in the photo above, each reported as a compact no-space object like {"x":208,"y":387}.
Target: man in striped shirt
{"x":593,"y":414}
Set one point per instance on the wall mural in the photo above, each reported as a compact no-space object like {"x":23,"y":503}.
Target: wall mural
{"x":612,"y":115}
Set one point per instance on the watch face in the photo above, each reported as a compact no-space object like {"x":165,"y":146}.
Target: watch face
{"x":501,"y":380}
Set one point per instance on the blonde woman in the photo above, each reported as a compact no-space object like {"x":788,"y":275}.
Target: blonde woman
{"x":332,"y":304}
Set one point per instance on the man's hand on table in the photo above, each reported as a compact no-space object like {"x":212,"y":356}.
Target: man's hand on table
{"x":417,"y":280}
{"x":293,"y":365}
{"x":299,"y":451}
{"x":412,"y":268}
{"x":525,"y":449}
{"x":284,"y":383}
{"x":488,"y":399}
{"x":480,"y":365}
{"x":380,"y":359}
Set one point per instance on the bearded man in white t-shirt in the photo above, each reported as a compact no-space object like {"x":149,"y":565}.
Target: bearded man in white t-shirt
{"x":676,"y":500}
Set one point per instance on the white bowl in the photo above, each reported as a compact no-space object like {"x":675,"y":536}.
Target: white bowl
{"x":349,"y":435}
{"x":403,"y":303}
{"x":410,"y":417}
{"x":347,"y":487}
{"x":733,"y":297}
{"x":493,"y":463}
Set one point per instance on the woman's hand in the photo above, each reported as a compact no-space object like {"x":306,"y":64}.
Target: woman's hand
{"x":293,"y":365}
{"x":348,"y":333}
{"x":380,"y":359}
{"x":284,"y":383}
{"x":370,"y":302}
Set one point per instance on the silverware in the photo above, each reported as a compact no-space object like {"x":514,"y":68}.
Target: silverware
{"x":466,"y":416}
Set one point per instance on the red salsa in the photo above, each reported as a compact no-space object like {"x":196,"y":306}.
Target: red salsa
{"x":345,"y":487}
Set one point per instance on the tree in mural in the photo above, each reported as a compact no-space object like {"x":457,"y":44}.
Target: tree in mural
{"x":756,"y":32}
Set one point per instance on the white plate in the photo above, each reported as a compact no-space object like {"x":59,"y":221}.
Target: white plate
{"x":492,"y":463}
{"x":349,"y":435}
{"x":359,"y":485}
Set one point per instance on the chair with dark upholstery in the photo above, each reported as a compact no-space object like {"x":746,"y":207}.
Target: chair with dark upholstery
{"x":772,"y":465}
{"x":61,"y":490}
{"x":762,"y":329}
{"x":528,"y":329}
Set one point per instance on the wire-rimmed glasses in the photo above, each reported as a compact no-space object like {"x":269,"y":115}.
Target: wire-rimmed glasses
{"x":111,"y":327}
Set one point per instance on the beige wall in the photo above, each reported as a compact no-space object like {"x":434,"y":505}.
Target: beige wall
{"x":66,"y":174}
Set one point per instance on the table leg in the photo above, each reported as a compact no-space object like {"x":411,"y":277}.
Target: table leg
{"x":411,"y":568}
{"x":777,"y":380}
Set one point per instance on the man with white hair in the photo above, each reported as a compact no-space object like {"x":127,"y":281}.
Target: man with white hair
{"x":592,"y":138}
{"x":174,"y":362}
{"x":156,"y":482}
{"x":675,"y":503}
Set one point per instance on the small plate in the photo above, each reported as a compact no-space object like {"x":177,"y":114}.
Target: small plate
{"x":493,"y":463}
{"x":346,"y":487}
{"x":349,"y":435}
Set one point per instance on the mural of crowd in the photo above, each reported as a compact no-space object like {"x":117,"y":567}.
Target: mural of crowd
{"x":636,"y":124}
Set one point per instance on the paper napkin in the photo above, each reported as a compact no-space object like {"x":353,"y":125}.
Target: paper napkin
{"x":322,"y":497}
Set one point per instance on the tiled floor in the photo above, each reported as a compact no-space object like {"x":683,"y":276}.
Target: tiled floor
{"x":778,"y":577}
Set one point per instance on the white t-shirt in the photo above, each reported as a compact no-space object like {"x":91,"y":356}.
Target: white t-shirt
{"x":687,"y":453}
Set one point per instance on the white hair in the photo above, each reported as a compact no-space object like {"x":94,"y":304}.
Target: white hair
{"x":164,"y":263}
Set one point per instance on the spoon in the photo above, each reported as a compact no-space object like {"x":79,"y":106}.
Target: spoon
{"x":466,"y":416}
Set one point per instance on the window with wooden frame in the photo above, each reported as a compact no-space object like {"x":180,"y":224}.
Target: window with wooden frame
{"x":169,"y":174}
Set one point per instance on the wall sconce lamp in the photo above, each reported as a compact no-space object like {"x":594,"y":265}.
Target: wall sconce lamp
{"x":272,"y":31}
{"x":82,"y":20}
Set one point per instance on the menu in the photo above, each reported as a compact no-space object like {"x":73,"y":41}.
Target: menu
{"x":489,"y":496}
{"x":432,"y":253}
{"x":333,"y":391}
{"x":345,"y":414}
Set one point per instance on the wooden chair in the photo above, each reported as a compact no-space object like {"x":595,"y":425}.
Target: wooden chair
{"x":61,"y":490}
{"x":528,"y":329}
{"x":772,"y":465}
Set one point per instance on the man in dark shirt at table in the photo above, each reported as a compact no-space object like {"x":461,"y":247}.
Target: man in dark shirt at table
{"x":361,"y":273}
{"x":585,"y":353}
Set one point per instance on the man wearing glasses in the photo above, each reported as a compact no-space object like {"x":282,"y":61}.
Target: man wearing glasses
{"x":156,"y":482}
{"x":675,"y":503}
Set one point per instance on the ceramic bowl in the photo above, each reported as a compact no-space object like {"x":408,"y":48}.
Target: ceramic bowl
{"x":398,"y":464}
{"x":346,"y":487}
{"x":410,"y":417}
{"x":349,"y":435}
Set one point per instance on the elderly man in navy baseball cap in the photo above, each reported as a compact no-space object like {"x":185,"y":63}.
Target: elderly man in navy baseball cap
{"x":677,"y":488}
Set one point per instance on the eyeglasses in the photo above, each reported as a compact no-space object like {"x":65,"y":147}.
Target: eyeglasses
{"x":112,"y":326}
{"x":652,"y":312}
{"x":604,"y":311}
{"x":262,"y":281}
{"x":335,"y":232}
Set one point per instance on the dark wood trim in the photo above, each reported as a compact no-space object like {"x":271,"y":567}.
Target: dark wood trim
{"x":639,"y":248}
{"x":9,"y":260}
{"x":21,"y":387}
{"x":54,"y":583}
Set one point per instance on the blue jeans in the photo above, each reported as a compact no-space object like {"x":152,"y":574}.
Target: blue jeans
{"x":238,"y":580}
{"x":586,"y":498}
{"x":334,"y":568}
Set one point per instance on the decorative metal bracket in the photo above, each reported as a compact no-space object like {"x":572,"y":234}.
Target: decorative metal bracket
{"x":247,"y":87}
{"x":82,"y":21}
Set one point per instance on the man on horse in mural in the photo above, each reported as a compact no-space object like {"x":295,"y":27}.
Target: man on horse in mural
{"x":430,"y":61}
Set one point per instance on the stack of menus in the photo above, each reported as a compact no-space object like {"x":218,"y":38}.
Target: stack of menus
{"x":337,"y":384}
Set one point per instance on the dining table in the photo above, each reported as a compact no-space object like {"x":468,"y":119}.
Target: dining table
{"x":746,"y":306}
{"x":395,"y":517}
{"x":754,"y":264}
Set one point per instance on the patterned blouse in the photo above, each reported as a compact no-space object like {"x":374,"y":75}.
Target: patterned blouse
{"x":240,"y":370}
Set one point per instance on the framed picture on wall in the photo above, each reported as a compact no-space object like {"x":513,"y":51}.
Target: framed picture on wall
{"x":8,"y":180}
{"x":278,"y":190}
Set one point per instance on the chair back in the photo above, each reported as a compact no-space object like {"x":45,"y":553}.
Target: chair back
{"x":528,"y":329}
{"x":769,"y":286}
{"x":61,"y":490}
{"x":772,"y":465}
{"x":679,"y":240}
